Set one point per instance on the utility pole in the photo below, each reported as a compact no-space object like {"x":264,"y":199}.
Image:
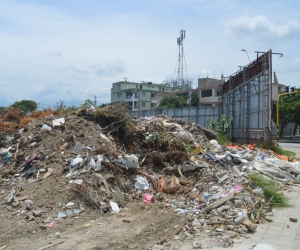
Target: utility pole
{"x":95,"y":101}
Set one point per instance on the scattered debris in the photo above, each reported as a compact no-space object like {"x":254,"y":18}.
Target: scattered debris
{"x":96,"y":164}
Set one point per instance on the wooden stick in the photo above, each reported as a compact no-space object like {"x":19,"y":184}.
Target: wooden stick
{"x":218,"y":203}
{"x":51,"y":245}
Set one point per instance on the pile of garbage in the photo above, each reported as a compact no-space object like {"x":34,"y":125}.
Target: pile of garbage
{"x":58,"y":167}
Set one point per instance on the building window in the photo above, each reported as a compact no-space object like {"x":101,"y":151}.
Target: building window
{"x":141,"y":87}
{"x":218,"y":93}
{"x":143,"y":104}
{"x":143,"y":94}
{"x":153,"y":105}
{"x":206,"y":93}
{"x":119,"y":95}
{"x":118,"y":86}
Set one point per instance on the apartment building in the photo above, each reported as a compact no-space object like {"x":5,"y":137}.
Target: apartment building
{"x":139,"y":96}
{"x":209,"y":91}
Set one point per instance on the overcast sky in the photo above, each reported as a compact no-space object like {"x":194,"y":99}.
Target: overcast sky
{"x":49,"y":47}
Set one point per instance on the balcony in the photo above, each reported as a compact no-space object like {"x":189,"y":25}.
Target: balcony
{"x":155,"y":100}
{"x":129,"y":98}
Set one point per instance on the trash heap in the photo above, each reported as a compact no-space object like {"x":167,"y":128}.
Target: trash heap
{"x":58,"y":167}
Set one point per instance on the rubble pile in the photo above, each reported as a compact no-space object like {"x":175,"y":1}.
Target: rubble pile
{"x":58,"y":167}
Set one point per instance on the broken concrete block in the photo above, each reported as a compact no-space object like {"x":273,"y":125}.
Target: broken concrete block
{"x":224,"y":178}
{"x":37,"y":213}
{"x":251,"y":226}
{"x":237,"y":203}
{"x":15,"y":204}
{"x":119,"y":196}
{"x":239,"y":220}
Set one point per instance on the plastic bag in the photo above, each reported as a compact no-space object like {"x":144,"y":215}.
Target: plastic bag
{"x":4,"y":150}
{"x":76,"y":163}
{"x":141,"y":183}
{"x":96,"y":165}
{"x":215,"y":143}
{"x":184,"y":135}
{"x":148,"y":198}
{"x":131,"y":161}
{"x":46,"y":128}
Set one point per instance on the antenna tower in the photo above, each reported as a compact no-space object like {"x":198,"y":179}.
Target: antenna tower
{"x":180,"y":59}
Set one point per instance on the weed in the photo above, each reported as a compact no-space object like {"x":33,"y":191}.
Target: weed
{"x":271,"y":190}
{"x":277,"y":150}
{"x":222,"y":139}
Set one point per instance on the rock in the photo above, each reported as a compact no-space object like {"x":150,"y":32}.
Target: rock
{"x":196,"y":244}
{"x":28,"y":204}
{"x":293,"y":220}
{"x":15,"y":204}
{"x":239,"y":220}
{"x":119,"y":196}
{"x":251,"y":226}
{"x":225,"y":239}
{"x":245,"y":229}
{"x":37,"y":213}
{"x":226,"y":245}
{"x":43,"y":227}
{"x":157,"y":247}
{"x":196,"y":223}
{"x":237,"y":203}
{"x":224,"y":178}
{"x":29,"y":217}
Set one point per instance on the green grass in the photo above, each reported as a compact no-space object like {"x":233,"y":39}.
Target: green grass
{"x":271,"y":190}
{"x":222,"y":139}
{"x":278,"y":150}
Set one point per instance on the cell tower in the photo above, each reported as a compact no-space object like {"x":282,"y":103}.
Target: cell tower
{"x":180,"y":80}
{"x":180,"y":58}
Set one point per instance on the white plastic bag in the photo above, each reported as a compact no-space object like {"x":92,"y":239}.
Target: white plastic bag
{"x":76,"y":163}
{"x":215,"y":143}
{"x":141,"y":183}
{"x":96,"y":165}
{"x":4,"y":150}
{"x":46,"y":128}
{"x":184,"y":135}
{"x":131,"y":161}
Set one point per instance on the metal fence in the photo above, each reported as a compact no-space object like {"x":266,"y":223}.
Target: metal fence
{"x":246,"y":97}
{"x":199,"y":115}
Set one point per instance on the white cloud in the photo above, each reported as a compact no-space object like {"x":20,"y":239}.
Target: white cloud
{"x":260,"y":26}
{"x":113,"y":68}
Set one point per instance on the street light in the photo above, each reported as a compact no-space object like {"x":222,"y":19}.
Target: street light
{"x":73,"y":98}
{"x":246,"y":53}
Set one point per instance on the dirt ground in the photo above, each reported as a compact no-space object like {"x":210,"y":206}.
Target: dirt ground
{"x":137,"y":226}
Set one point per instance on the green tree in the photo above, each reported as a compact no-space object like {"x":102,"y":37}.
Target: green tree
{"x":195,"y":99}
{"x":289,"y":110}
{"x":179,"y":101}
{"x":172,"y":102}
{"x":1,"y":109}
{"x":25,"y":105}
{"x":87,"y":103}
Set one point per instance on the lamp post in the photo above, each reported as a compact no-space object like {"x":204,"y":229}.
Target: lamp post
{"x":73,"y":98}
{"x":246,"y":53}
{"x":78,"y":96}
